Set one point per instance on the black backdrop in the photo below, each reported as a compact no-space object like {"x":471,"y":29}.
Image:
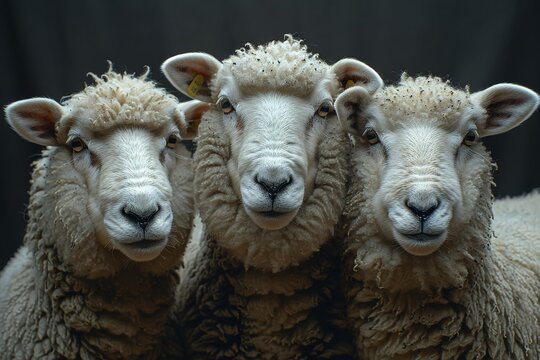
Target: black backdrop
{"x":47,"y":47}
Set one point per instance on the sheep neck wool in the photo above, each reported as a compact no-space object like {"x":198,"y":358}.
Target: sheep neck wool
{"x":458,"y":302}
{"x":230,"y":313}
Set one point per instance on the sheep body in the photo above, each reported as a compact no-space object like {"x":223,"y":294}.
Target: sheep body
{"x":270,"y":175}
{"x":64,"y":295}
{"x":477,"y":296}
{"x":228,"y":311}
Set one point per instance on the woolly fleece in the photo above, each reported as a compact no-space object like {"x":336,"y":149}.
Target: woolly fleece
{"x":285,"y":66}
{"x":477,"y":296}
{"x":239,"y":309}
{"x":65,"y":296}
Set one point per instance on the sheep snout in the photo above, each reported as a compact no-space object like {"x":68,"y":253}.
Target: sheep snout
{"x":420,"y":222}
{"x":140,"y":216}
{"x":139,"y":227}
{"x":272,"y":196}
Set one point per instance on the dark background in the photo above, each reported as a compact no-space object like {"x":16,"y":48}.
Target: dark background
{"x":47,"y":47}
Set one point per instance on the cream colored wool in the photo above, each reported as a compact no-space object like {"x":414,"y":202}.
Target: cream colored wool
{"x":279,"y":65}
{"x":227,"y":309}
{"x":478,"y":295}
{"x":119,"y":99}
{"x":64,"y":295}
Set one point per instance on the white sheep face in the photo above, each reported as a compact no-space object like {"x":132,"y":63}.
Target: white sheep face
{"x":274,"y":110}
{"x":273,"y":137}
{"x":421,"y":139}
{"x":125,"y":161}
{"x":420,"y":188}
{"x":127,"y":175}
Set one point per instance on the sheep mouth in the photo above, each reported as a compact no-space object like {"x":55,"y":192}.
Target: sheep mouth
{"x":422,"y":237}
{"x":271,"y":214}
{"x":145,"y":244}
{"x":142,"y":250}
{"x":271,"y":220}
{"x":420,"y":244}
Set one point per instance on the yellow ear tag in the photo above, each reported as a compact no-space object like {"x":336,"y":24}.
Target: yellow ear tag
{"x":349,"y":83}
{"x":195,"y":85}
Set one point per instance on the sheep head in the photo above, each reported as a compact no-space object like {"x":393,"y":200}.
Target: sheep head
{"x":419,"y":142}
{"x":275,"y":102}
{"x":118,"y":144}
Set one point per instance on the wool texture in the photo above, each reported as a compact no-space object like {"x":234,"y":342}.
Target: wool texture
{"x":64,"y":295}
{"x":285,"y":66}
{"x":475,"y":297}
{"x":116,"y":99}
{"x":257,"y":294}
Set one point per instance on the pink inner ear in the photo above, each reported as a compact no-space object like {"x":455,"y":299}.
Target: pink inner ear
{"x":43,"y":122}
{"x":38,"y":115}
{"x":500,"y":111}
{"x":43,"y":131}
{"x":199,"y":112}
{"x":195,"y":120}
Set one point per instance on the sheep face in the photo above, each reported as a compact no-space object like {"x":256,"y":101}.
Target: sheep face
{"x":275,"y":101}
{"x":420,"y":190}
{"x":127,"y":176}
{"x":421,"y":141}
{"x":123,"y":156}
{"x":274,"y":138}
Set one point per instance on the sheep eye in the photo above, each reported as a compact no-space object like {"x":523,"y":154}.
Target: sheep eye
{"x":325,"y":109}
{"x":225,"y":106}
{"x":471,"y":137}
{"x":77,"y":145}
{"x":172,"y":141}
{"x":371,"y":136}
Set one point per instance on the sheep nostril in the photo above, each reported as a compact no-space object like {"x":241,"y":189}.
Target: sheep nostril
{"x":273,"y":187}
{"x":142,"y":217}
{"x":423,"y":212}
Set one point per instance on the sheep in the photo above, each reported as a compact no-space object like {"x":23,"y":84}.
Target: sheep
{"x":270,"y":171}
{"x":109,"y":213}
{"x":428,"y":276}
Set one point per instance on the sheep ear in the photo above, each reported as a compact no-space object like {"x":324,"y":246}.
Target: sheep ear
{"x":34,"y":119}
{"x":351,"y":72}
{"x":191,"y":73}
{"x":190,"y":114}
{"x":353,"y":110}
{"x":506,"y":106}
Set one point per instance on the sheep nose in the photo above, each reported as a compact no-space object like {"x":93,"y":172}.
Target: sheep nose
{"x":140,"y":216}
{"x":422,"y":211}
{"x":274,"y":186}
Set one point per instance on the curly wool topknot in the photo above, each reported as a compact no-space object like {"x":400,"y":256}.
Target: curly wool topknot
{"x":120,"y":99}
{"x":424,"y":98}
{"x":280,"y":65}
